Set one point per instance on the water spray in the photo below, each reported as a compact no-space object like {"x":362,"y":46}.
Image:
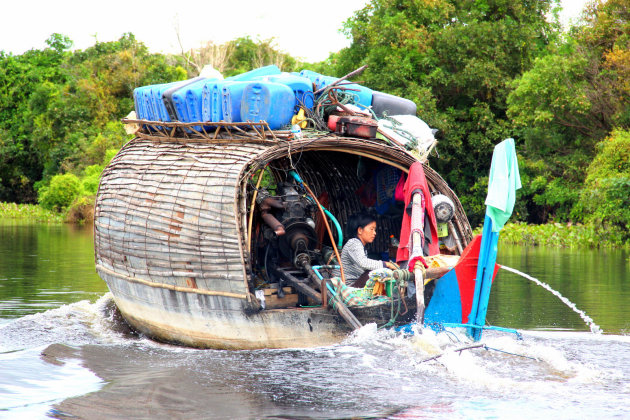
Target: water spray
{"x":587,"y":319}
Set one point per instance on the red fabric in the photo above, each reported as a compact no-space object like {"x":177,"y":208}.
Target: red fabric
{"x":416,"y":180}
{"x":399,"y":194}
{"x":367,"y":193}
{"x":414,"y":260}
{"x":466,"y":271}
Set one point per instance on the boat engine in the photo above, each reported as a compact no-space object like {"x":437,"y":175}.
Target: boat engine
{"x":289,"y":229}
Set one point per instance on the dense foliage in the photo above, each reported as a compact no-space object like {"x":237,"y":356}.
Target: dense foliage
{"x":59,"y":111}
{"x":456,"y":60}
{"x":567,"y":103}
{"x":27,"y":213}
{"x":484,"y":70}
{"x":479,"y":71}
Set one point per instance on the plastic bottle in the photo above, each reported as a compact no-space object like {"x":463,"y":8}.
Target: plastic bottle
{"x":296,"y":131}
{"x":393,"y":247}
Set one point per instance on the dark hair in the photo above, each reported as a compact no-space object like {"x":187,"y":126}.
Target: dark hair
{"x":356,"y":221}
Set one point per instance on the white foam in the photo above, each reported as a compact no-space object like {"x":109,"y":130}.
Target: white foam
{"x":77,"y":323}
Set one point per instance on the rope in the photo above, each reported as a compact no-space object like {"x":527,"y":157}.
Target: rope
{"x":399,"y":282}
{"x":475,"y":346}
{"x":513,"y":354}
{"x":332,"y":97}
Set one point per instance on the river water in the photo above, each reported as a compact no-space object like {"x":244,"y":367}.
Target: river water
{"x":65,"y":353}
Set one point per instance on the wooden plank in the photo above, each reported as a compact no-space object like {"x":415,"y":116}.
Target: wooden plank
{"x":274,"y":302}
{"x":301,"y":286}
{"x":274,"y":290}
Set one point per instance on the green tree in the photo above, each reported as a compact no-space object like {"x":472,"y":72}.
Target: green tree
{"x":21,"y":161}
{"x":456,"y":60}
{"x":569,"y":101}
{"x":57,"y":107}
{"x":247,"y":54}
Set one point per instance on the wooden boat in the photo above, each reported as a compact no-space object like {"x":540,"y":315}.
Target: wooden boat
{"x":187,"y":253}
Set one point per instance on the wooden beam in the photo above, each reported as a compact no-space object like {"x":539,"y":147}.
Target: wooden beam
{"x":301,"y":286}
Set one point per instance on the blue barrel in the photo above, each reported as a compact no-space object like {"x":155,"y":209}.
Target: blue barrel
{"x":206,"y":99}
{"x":185,"y":101}
{"x":261,"y":71}
{"x":309,"y":74}
{"x":178,"y":100}
{"x":302,"y":87}
{"x":215,"y":97}
{"x":231,"y":93}
{"x":159,"y":109}
{"x":147,"y":103}
{"x":267,"y":101}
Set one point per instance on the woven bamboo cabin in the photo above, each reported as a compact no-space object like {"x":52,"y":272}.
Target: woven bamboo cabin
{"x":187,"y":241}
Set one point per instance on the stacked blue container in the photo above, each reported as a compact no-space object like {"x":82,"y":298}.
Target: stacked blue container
{"x":302,"y":87}
{"x":252,"y":74}
{"x":177,"y":107}
{"x":260,"y":94}
{"x":267,"y":101}
{"x":185,"y":101}
{"x":215,"y":104}
{"x":206,"y":99}
{"x":138,"y":101}
{"x":309,"y":74}
{"x":231,"y":95}
{"x":159,"y":109}
{"x":194,"y":101}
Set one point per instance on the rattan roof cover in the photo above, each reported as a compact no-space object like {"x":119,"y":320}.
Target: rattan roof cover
{"x":170,"y":213}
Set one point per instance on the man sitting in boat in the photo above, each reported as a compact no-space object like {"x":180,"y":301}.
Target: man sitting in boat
{"x":356,"y":264}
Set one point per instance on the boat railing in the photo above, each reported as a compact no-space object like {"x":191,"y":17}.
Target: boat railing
{"x":250,"y":131}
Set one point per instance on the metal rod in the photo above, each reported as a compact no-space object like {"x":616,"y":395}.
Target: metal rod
{"x":417,"y":250}
{"x":347,"y":76}
{"x":456,"y":236}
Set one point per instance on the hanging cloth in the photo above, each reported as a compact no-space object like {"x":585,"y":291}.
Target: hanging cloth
{"x":503,"y":182}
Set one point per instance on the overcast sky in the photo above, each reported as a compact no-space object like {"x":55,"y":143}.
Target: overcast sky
{"x":306,"y":29}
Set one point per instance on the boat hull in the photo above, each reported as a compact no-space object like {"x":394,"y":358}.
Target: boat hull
{"x":220,"y":322}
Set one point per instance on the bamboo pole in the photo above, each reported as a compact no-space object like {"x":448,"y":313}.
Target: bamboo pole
{"x":170,"y":286}
{"x":251,"y":212}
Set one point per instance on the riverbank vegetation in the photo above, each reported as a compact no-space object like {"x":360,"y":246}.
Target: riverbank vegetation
{"x":479,"y":72}
{"x":16,"y":213}
{"x":561,"y":236}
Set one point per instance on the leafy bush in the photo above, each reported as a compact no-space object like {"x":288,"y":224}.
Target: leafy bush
{"x":60,"y":193}
{"x":90,"y":179}
{"x":605,"y":200}
{"x":561,"y":235}
{"x":28,"y":212}
{"x":81,"y":210}
{"x":109,"y":155}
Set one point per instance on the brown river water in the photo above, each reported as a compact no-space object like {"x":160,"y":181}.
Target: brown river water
{"x":66,"y":353}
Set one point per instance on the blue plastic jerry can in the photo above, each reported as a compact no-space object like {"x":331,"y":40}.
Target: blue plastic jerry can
{"x":267,"y":101}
